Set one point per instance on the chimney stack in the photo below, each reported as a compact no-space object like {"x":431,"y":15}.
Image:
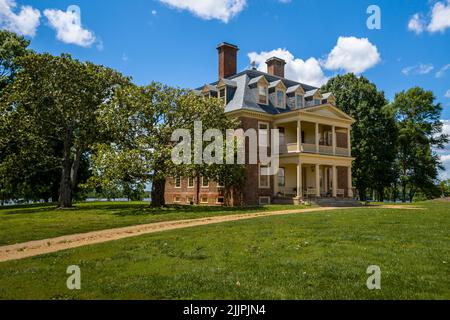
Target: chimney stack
{"x":227,"y":60}
{"x":275,"y":67}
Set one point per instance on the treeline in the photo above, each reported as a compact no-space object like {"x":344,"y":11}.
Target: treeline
{"x":69,"y":129}
{"x":394,"y":143}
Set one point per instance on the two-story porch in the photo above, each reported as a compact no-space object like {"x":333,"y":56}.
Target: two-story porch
{"x":315,"y":155}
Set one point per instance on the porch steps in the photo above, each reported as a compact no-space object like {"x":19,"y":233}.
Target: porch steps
{"x":329,"y":202}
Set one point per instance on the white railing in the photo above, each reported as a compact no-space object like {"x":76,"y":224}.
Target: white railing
{"x":326,"y":150}
{"x":342,"y":152}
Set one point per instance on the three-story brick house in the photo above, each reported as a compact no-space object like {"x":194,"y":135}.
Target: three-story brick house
{"x":315,"y":144}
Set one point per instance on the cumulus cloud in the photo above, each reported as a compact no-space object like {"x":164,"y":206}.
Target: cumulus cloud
{"x":445,"y":154}
{"x":68,"y":26}
{"x":438,"y":19}
{"x":25,"y":22}
{"x":417,"y":23}
{"x":418,"y":69}
{"x":222,"y":10}
{"x":306,"y":71}
{"x":353,"y":55}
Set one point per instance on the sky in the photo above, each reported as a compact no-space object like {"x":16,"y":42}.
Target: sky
{"x":174,"y":41}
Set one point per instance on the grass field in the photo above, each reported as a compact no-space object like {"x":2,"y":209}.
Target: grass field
{"x":26,"y":223}
{"x":321,"y":255}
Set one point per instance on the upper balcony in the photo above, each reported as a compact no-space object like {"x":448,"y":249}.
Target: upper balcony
{"x":315,"y":138}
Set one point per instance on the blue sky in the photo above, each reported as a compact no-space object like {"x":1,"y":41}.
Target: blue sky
{"x":174,"y":41}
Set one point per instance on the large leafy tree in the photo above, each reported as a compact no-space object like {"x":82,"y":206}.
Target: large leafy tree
{"x":52,"y":106}
{"x":373,"y":135}
{"x":142,"y":121}
{"x":12,"y":47}
{"x":420,"y":131}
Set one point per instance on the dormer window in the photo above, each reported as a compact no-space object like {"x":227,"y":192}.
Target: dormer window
{"x":223,"y":95}
{"x":299,"y":101}
{"x":263,"y":94}
{"x":281,"y":102}
{"x":317,"y":102}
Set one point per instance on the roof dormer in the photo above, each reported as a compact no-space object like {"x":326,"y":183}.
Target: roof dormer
{"x":277,"y":91}
{"x":329,"y":98}
{"x":226,"y":89}
{"x":313,"y":97}
{"x":209,"y":91}
{"x":296,"y":97}
{"x":262,"y":86}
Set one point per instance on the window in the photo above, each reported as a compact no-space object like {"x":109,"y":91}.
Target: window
{"x":205,"y":182}
{"x":324,"y":101}
{"x":299,"y":100}
{"x":317,"y":102}
{"x":191,"y":182}
{"x":178,"y":182}
{"x":263,"y":133}
{"x":204,"y":198}
{"x":176,"y":199}
{"x":282,"y":177}
{"x":264,"y":200}
{"x":262,"y":93}
{"x":280,"y":99}
{"x":223,"y":95}
{"x":190,"y":200}
{"x":264,"y":178}
{"x":220,"y":200}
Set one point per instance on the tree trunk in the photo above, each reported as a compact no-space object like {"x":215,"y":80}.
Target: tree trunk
{"x":158,"y":190}
{"x":65,"y":189}
{"x":197,"y":189}
{"x":75,"y":167}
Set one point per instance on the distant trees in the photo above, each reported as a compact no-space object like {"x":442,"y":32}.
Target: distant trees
{"x":393,"y":143}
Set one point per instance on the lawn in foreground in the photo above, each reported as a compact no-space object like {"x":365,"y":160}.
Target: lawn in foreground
{"x":26,"y":223}
{"x":307,"y":256}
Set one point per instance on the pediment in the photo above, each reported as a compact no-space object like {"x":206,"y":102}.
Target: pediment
{"x":329,"y":111}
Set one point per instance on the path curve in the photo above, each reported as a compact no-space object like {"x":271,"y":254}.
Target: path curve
{"x":39,"y":247}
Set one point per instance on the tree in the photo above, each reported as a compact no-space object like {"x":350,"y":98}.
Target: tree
{"x":373,"y":134}
{"x":420,"y":131}
{"x":12,"y":47}
{"x":54,"y":102}
{"x":142,"y":121}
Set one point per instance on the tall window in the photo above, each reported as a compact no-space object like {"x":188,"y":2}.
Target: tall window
{"x":299,"y":100}
{"x":205,"y":182}
{"x":178,"y":182}
{"x":262,"y":92}
{"x":264,"y":178}
{"x":281,"y":177}
{"x":280,"y":99}
{"x":263,"y":133}
{"x":317,"y":102}
{"x":223,"y":95}
{"x":190,"y":182}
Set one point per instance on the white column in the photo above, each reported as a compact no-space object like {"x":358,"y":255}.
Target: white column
{"x":299,"y":136}
{"x":334,"y":140}
{"x":335,"y":182}
{"x":317,"y":138}
{"x":350,"y":184}
{"x":349,"y":142}
{"x":318,"y":181}
{"x":299,"y":181}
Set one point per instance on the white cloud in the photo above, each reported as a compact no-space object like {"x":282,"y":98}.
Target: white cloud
{"x":418,"y":69}
{"x":24,"y":23}
{"x":442,"y":71}
{"x":416,"y":24}
{"x":222,"y":10}
{"x":68,"y":26}
{"x":445,"y":154}
{"x":438,"y":19}
{"x":154,"y":12}
{"x":306,"y":71}
{"x":352,"y":55}
{"x":447,"y":95}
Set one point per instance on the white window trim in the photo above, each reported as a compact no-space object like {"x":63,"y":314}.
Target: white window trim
{"x":174,"y":199}
{"x":203,"y":186}
{"x":268,"y":133}
{"x":201,"y":199}
{"x":267,"y":94}
{"x":225,"y":97}
{"x":264,"y":197}
{"x":283,"y":106}
{"x":175,"y":183}
{"x":193,"y":185}
{"x":259,"y":179}
{"x":302,"y":100}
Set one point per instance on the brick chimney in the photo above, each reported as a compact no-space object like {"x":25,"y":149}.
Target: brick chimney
{"x":227,"y":60}
{"x":275,"y":67}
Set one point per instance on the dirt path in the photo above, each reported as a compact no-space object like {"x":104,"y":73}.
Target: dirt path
{"x":39,"y":247}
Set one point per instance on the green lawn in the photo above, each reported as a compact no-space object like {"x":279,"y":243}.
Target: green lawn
{"x":321,"y":255}
{"x":25,"y":223}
